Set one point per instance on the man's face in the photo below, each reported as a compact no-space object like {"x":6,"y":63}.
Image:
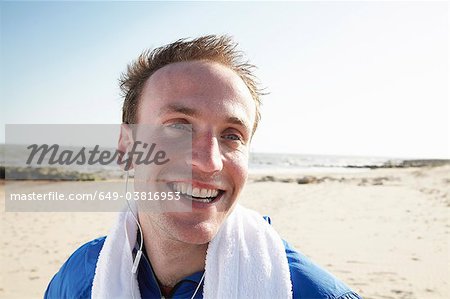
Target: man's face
{"x":215,"y":103}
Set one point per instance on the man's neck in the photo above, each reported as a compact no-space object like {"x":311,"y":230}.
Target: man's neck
{"x":171,"y":260}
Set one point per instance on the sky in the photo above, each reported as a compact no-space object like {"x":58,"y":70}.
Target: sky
{"x":344,"y":78}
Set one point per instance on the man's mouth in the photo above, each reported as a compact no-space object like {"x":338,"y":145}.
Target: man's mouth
{"x":203,"y":195}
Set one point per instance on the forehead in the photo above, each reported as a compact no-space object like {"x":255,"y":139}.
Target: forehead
{"x":197,"y":77}
{"x":203,"y":85}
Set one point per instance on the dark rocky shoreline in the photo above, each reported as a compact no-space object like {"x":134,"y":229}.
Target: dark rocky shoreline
{"x":48,"y":173}
{"x":406,"y":164}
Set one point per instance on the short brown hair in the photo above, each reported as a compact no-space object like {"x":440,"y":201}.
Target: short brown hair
{"x":221,"y":49}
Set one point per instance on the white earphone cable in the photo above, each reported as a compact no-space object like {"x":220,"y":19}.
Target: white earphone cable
{"x":139,"y":253}
{"x":198,"y":287}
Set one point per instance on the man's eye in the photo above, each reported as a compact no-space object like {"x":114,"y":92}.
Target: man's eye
{"x":179,"y":126}
{"x":177,"y":130}
{"x":233,"y":137}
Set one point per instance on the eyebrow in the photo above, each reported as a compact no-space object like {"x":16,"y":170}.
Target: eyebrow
{"x":178,"y":109}
{"x":172,"y":108}
{"x":237,"y":121}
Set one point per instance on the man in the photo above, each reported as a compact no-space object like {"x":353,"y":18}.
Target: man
{"x":218,"y":249}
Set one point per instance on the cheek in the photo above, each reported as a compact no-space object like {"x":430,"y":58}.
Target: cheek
{"x":238,"y":169}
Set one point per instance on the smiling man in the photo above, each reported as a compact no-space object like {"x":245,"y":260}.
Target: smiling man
{"x":216,"y":249}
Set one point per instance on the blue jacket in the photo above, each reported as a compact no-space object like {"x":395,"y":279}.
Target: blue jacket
{"x":74,"y":279}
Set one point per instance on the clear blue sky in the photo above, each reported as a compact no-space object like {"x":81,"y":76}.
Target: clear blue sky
{"x":351,"y":78}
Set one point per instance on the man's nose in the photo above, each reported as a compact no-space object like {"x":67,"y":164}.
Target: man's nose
{"x":206,"y":154}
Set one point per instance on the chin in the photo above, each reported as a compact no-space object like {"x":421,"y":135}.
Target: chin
{"x":194,"y":232}
{"x":197,"y":239}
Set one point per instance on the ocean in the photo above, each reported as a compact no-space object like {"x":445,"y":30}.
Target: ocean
{"x":297,"y":163}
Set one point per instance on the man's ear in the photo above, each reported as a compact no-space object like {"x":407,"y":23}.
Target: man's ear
{"x":125,"y":145}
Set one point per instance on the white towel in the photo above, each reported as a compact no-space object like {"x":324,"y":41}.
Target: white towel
{"x":113,"y":278}
{"x":246,"y":259}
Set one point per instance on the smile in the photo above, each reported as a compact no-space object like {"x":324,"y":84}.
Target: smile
{"x":203,"y":195}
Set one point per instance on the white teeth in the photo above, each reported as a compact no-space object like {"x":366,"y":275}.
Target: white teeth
{"x":202,"y":194}
{"x":196,"y":192}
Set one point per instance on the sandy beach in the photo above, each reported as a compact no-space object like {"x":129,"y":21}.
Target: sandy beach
{"x":385,"y":232}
